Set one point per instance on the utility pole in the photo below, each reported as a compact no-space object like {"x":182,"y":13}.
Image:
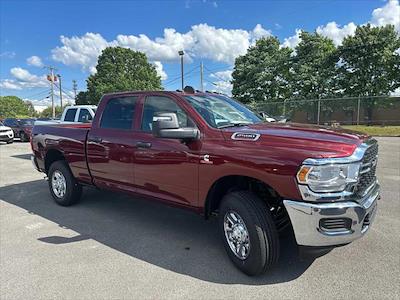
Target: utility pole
{"x":59,"y":82}
{"x":181,"y":53}
{"x":74,"y":87}
{"x":51,"y":79}
{"x":201,"y":77}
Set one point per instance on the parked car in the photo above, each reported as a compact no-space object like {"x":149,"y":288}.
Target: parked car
{"x":267,"y":117}
{"x":22,"y":127}
{"x":260,"y":178}
{"x":6,"y":134}
{"x":73,"y":114}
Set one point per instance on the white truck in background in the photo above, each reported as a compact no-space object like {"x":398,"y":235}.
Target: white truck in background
{"x":73,"y":114}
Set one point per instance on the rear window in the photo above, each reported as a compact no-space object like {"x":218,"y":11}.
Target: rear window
{"x":118,"y":113}
{"x":70,"y":115}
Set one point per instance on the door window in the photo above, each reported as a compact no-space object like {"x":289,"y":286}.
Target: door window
{"x":118,"y":113}
{"x":155,"y":104}
{"x":84,"y":115}
{"x":70,"y":115}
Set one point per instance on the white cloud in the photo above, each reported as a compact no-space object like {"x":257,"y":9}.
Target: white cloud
{"x":34,"y":61}
{"x":293,"y":40}
{"x":82,"y":51}
{"x":23,"y":79}
{"x":337,"y":33}
{"x":160,"y":71}
{"x":223,"y":83}
{"x":201,"y":41}
{"x":388,"y":14}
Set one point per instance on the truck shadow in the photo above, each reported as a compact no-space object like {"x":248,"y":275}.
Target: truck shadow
{"x":171,"y":238}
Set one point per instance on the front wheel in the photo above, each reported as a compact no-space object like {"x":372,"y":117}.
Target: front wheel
{"x":248,"y":232}
{"x":63,"y":186}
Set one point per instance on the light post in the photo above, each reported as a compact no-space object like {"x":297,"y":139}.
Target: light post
{"x":181,"y":53}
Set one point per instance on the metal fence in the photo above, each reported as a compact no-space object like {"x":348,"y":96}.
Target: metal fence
{"x":377,"y":110}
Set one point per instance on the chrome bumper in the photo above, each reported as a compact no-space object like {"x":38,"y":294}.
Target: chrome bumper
{"x":330,"y":224}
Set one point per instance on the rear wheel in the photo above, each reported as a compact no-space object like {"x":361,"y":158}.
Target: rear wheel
{"x":63,"y":186}
{"x":248,"y":232}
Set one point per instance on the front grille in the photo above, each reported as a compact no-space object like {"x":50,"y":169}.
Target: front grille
{"x":4,"y":130}
{"x":368,"y":169}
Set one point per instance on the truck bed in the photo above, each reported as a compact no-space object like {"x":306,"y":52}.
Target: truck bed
{"x":68,"y":138}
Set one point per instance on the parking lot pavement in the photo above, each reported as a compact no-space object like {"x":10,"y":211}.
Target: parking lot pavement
{"x":114,"y":247}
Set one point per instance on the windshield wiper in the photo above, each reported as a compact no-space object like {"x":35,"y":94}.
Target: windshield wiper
{"x":233,"y":125}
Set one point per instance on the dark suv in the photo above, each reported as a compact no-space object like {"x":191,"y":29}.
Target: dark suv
{"x":22,"y":127}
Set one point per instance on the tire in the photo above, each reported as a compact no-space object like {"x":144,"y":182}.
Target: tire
{"x":69,"y":191}
{"x":10,"y":141}
{"x":262,"y":235}
{"x":23,"y":137}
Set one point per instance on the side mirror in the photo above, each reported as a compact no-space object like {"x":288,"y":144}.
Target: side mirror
{"x":166,"y":125}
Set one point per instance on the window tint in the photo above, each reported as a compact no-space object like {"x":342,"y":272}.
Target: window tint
{"x":118,"y":113}
{"x":70,"y":115}
{"x":155,"y":104}
{"x":84,"y":115}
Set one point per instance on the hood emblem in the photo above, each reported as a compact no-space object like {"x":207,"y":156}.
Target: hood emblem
{"x":245,"y":136}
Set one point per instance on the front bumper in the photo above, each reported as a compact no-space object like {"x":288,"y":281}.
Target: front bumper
{"x":5,"y":137}
{"x":331,"y":224}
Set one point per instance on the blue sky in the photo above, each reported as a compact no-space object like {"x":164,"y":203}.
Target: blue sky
{"x":214,"y":32}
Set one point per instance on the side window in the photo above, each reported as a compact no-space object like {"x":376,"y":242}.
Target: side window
{"x":118,"y":113}
{"x":154,"y":104}
{"x":84,"y":115}
{"x":70,"y":115}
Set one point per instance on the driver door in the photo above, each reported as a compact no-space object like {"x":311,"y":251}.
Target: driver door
{"x":165,"y":168}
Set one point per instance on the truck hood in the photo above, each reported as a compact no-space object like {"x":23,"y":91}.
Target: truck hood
{"x":299,"y":139}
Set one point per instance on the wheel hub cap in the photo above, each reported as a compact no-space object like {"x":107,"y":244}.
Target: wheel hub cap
{"x":236,"y":235}
{"x":58,"y":184}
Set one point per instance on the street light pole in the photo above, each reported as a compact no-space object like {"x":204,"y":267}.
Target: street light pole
{"x":59,"y":82}
{"x":181,"y":53}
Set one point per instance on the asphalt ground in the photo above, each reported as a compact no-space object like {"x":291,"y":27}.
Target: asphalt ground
{"x":111,"y":246}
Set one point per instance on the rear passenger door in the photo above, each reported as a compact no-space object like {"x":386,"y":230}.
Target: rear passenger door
{"x":110,"y":146}
{"x":70,"y":115}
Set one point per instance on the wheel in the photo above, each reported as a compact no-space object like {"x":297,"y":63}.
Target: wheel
{"x":10,"y":141}
{"x":248,"y":232}
{"x":23,"y":137}
{"x":63,"y":186}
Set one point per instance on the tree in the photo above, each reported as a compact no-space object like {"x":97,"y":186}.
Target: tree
{"x":369,"y":64}
{"x":31,"y":108}
{"x":48,"y":112}
{"x":82,"y":98}
{"x":262,"y":74}
{"x":13,"y":107}
{"x":121,"y":69}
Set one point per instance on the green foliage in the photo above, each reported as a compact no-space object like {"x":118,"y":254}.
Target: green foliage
{"x":369,"y":64}
{"x":82,"y":98}
{"x":13,"y":107}
{"x":121,"y":69}
{"x":262,"y":74}
{"x":366,"y":64}
{"x":48,"y":112}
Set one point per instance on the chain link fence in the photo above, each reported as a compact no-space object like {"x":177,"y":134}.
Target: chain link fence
{"x":377,"y":110}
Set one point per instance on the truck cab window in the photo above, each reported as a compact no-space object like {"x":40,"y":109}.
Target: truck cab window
{"x":118,"y":113}
{"x":70,"y":115}
{"x":84,"y":115}
{"x":154,"y":104}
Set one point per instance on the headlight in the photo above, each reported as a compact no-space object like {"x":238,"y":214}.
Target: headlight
{"x":328,"y":178}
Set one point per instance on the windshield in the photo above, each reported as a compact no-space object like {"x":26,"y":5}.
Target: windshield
{"x":1,"y":123}
{"x":27,"y":122}
{"x":221,"y":111}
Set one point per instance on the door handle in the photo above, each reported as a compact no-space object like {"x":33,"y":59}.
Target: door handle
{"x":143,"y":145}
{"x":95,"y":139}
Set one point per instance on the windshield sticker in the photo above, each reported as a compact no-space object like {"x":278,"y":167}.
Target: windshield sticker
{"x":245,"y":136}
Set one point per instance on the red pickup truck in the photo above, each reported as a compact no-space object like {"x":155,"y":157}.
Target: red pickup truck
{"x":209,"y":153}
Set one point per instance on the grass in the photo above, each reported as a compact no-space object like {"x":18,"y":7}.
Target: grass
{"x":376,"y":130}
